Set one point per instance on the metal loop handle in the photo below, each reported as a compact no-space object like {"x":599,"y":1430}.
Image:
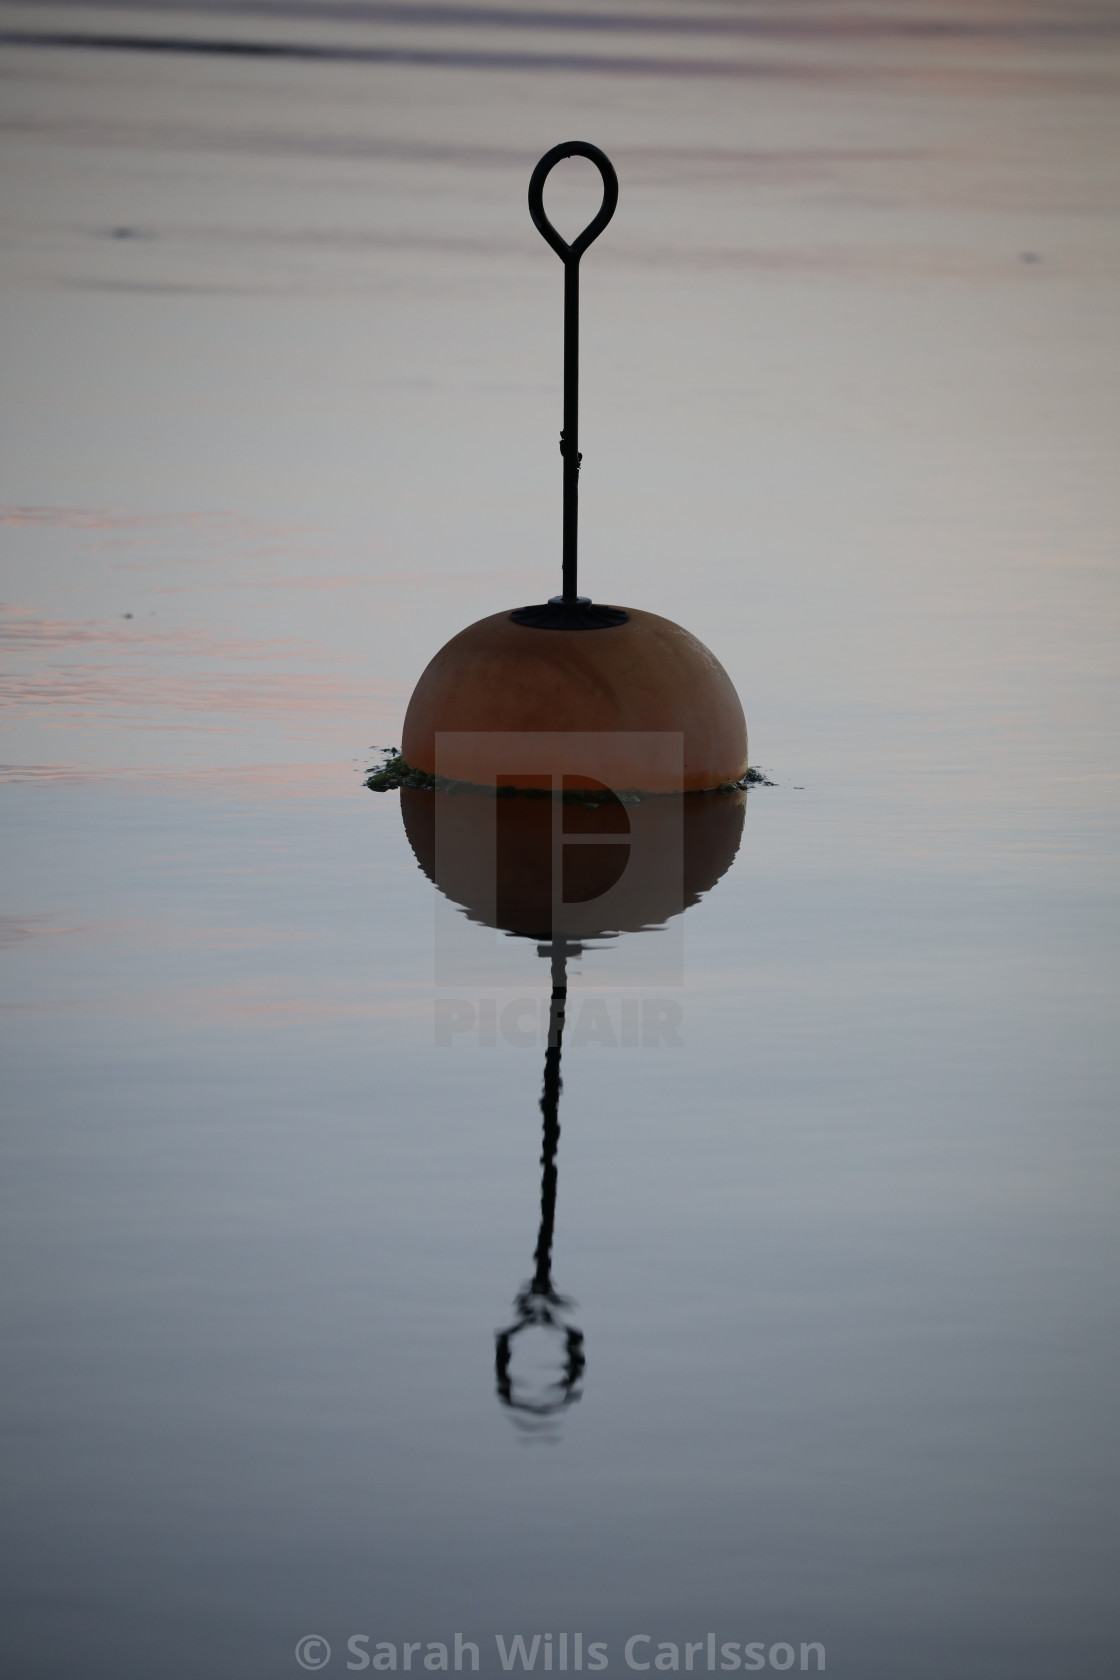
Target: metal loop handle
{"x":571,"y":610}
{"x":572,"y":148}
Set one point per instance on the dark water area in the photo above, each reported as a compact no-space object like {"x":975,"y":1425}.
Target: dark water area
{"x":807,"y":1272}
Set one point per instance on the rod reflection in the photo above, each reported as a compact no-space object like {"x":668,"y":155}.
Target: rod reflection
{"x":541,"y":1387}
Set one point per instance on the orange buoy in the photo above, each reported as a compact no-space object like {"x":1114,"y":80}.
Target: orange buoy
{"x":663,"y":710}
{"x":644,"y":675}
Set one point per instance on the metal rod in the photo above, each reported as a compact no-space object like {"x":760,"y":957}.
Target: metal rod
{"x":569,"y":437}
{"x":570,"y":255}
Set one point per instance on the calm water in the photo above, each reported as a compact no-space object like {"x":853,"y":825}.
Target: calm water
{"x":281,"y":403}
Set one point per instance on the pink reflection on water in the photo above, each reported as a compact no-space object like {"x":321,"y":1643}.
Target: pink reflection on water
{"x":314,"y":780}
{"x":237,"y":1004}
{"x":84,"y":694}
{"x":20,"y":930}
{"x":22,"y":632}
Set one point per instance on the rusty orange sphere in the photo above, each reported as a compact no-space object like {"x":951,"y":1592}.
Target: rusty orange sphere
{"x":647,"y":675}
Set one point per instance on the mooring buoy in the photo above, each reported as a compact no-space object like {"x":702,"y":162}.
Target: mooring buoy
{"x":570,"y":664}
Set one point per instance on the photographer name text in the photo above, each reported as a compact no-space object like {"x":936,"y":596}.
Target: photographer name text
{"x":564,"y":1653}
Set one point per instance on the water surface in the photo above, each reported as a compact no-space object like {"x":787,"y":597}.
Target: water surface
{"x":281,"y":404}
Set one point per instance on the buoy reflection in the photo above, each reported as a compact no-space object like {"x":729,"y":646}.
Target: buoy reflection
{"x":575,"y":867}
{"x":622,"y":868}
